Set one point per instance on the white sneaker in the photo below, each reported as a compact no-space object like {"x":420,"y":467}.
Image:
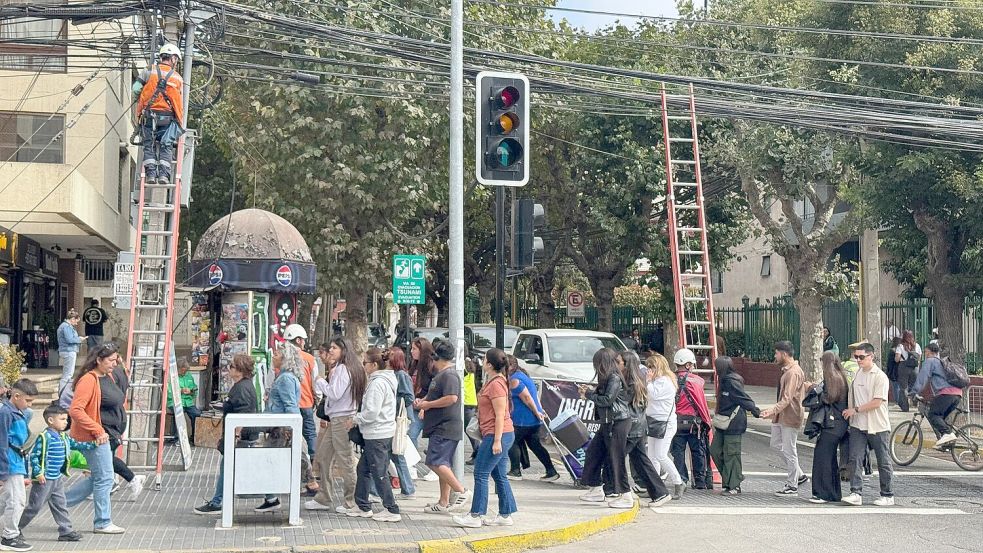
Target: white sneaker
{"x":386,"y":516}
{"x":498,"y":520}
{"x":136,"y":486}
{"x":341,"y":509}
{"x":594,"y":495}
{"x":945,"y":439}
{"x":431,"y":476}
{"x":436,"y":509}
{"x":358,"y":513}
{"x":884,"y":501}
{"x":111,"y":529}
{"x":459,"y":500}
{"x":467,"y":521}
{"x":623,"y":501}
{"x":312,"y":505}
{"x":854,"y":499}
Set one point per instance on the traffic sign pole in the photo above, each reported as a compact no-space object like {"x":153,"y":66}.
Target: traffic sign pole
{"x":500,"y":262}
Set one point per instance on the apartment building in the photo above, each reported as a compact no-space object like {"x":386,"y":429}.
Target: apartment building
{"x":66,"y":166}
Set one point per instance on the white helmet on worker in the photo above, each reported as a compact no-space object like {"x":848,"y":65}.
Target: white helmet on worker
{"x":169,"y":50}
{"x":684,"y":356}
{"x":293,"y":332}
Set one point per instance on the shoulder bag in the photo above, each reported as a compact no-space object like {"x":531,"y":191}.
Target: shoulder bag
{"x":722,"y":422}
{"x":656,"y":428}
{"x":401,"y":437}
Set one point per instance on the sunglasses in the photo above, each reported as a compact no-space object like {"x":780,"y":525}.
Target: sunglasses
{"x":108,"y":349}
{"x":860,"y":357}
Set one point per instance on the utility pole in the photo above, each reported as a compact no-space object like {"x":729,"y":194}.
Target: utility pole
{"x":500,"y":273}
{"x":455,"y":313}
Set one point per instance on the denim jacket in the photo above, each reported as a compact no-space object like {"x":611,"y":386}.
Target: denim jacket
{"x":285,"y":394}
{"x":68,"y":338}
{"x":932,"y":371}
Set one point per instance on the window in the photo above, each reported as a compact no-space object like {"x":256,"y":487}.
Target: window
{"x":45,"y":47}
{"x":765,"y":265}
{"x":717,"y":282}
{"x":30,"y":137}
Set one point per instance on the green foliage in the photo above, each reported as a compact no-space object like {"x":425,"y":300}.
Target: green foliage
{"x":734,"y":342}
{"x":11,"y":362}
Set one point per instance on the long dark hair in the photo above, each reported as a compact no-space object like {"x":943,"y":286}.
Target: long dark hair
{"x":638,"y":396}
{"x":396,"y":359}
{"x":498,"y":360}
{"x":425,"y":362}
{"x":356,"y":372}
{"x":92,"y":359}
{"x":834,"y":379}
{"x":605,"y":364}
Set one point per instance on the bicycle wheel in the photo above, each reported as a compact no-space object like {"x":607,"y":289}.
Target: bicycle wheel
{"x":906,"y":443}
{"x":967,"y":450}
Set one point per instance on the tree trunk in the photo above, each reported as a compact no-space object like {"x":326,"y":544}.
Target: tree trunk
{"x":486,"y":297}
{"x":542,"y":284}
{"x":949,"y":304}
{"x":604,"y":294}
{"x":356,"y":328}
{"x":810,"y":308}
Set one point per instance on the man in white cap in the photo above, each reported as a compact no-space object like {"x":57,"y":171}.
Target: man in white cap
{"x":296,"y":335}
{"x":693,"y":422}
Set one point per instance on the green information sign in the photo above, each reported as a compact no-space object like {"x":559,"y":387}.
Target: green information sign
{"x":409,"y":280}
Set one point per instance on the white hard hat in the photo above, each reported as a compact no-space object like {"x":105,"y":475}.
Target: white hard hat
{"x":294,"y":331}
{"x":169,"y":50}
{"x":684,"y":356}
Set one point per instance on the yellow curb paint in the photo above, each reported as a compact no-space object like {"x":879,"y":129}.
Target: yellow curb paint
{"x":514,"y":543}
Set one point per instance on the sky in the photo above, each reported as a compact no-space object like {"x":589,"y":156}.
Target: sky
{"x":592,"y":22}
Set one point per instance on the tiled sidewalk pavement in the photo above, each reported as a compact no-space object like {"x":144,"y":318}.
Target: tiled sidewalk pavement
{"x":164,"y":521}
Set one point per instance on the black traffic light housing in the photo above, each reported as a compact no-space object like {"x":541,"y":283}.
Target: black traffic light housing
{"x":501,"y":129}
{"x":527,"y":217}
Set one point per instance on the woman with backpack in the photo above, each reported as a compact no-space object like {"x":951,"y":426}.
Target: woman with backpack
{"x":907,"y":356}
{"x":833,"y":400}
{"x":733,"y":403}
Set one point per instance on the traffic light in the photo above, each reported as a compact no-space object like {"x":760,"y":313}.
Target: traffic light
{"x":502,"y":129}
{"x":526,"y":218}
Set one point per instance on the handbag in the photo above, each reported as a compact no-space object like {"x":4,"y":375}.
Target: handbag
{"x":656,"y":428}
{"x":722,"y":422}
{"x":401,"y":437}
{"x":473,"y":430}
{"x":355,"y":436}
{"x":319,"y":410}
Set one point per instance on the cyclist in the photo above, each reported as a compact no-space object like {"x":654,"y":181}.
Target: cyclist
{"x":945,"y":396}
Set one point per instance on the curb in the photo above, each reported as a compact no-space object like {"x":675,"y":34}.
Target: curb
{"x":514,"y":543}
{"x":481,"y":543}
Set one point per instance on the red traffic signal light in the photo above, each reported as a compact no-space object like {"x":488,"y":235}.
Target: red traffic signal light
{"x":506,"y":97}
{"x":502,"y":129}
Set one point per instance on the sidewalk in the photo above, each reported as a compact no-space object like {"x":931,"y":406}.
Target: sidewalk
{"x":164,"y":521}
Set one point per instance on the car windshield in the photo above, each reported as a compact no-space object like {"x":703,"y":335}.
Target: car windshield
{"x":484,"y":337}
{"x":579,"y":349}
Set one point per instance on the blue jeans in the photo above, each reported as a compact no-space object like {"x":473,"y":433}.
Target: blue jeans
{"x":309,"y":429}
{"x":97,"y":485}
{"x":67,"y":360}
{"x":219,"y":484}
{"x":496,"y":465}
{"x":157,"y":156}
{"x":416,"y":427}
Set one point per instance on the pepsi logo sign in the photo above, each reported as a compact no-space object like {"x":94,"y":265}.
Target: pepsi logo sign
{"x":284,"y":275}
{"x":215,"y":274}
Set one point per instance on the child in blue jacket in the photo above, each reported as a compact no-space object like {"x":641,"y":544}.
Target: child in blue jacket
{"x":13,"y":466}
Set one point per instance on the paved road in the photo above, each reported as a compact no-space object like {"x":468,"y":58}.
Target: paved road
{"x":939,"y":509}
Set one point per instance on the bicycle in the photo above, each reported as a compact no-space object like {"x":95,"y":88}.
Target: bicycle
{"x":966,"y":451}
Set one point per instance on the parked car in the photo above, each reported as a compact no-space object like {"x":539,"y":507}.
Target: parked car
{"x":430,"y":334}
{"x":480,"y":337}
{"x":562,"y":353}
{"x":378,"y":337}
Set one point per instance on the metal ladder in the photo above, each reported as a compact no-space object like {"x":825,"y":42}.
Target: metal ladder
{"x":149,"y":349}
{"x":686,"y":216}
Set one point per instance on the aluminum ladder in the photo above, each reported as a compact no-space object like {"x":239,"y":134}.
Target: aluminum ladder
{"x":692,"y":287}
{"x":149,"y":346}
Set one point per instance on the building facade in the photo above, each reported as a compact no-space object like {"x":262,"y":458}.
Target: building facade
{"x":66,"y":166}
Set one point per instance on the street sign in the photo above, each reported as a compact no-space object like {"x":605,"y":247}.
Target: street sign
{"x":409,"y":280}
{"x":575,"y":304}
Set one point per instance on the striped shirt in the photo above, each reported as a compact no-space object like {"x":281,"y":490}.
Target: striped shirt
{"x":56,"y":455}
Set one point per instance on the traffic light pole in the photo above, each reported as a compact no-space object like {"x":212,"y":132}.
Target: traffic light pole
{"x":500,"y":267}
{"x":455,"y":313}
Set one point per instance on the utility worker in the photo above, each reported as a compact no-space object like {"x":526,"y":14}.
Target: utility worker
{"x":160,"y":115}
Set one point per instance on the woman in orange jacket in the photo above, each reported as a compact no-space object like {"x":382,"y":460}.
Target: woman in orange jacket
{"x":94,"y":391}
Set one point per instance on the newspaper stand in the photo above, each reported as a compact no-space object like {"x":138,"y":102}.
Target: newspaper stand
{"x":262,"y":470}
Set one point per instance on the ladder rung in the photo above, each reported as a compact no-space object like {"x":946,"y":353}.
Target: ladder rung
{"x":148,"y":185}
{"x":156,"y":208}
{"x":147,"y":358}
{"x":689,"y":229}
{"x":688,"y":298}
{"x":686,"y":184}
{"x":155,"y":256}
{"x":153,"y":282}
{"x":680,"y":140}
{"x":687,"y":206}
{"x":696,"y":323}
{"x":150,"y":306}
{"x":682,"y":162}
{"x":690,"y":252}
{"x":699,"y":347}
{"x":692,"y":275}
{"x":146,"y":385}
{"x":154,"y":439}
{"x":149,"y":332}
{"x":678,"y":117}
{"x":157,"y":232}
{"x":143,"y":412}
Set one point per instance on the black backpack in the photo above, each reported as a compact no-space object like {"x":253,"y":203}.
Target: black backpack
{"x":955,"y":373}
